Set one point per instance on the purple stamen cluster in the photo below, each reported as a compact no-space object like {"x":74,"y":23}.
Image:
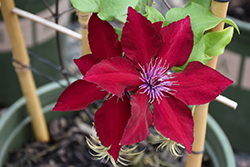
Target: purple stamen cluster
{"x":156,"y":80}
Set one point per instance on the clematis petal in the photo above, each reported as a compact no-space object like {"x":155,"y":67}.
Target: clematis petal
{"x":199,"y":84}
{"x":103,"y":39}
{"x":114,"y":75}
{"x":110,"y":122}
{"x":78,"y":96}
{"x":174,"y":120}
{"x":141,"y":119}
{"x":140,"y":38}
{"x":84,"y":63}
{"x":178,"y":42}
{"x":158,"y":26}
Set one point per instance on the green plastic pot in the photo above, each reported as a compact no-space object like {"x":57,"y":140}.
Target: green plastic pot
{"x":217,"y":145}
{"x":236,"y":63}
{"x":15,"y":124}
{"x":15,"y":128}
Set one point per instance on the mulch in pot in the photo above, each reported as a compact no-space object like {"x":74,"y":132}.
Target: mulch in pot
{"x":68,"y":148}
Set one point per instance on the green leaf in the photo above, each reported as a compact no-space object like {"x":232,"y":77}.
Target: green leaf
{"x":122,"y":18}
{"x":202,"y":19}
{"x":205,"y":3}
{"x":113,"y":8}
{"x":106,"y":9}
{"x":142,"y":6}
{"x":197,"y":53}
{"x":118,"y":32}
{"x":153,"y":14}
{"x":193,"y":108}
{"x":215,"y":42}
{"x":87,"y":5}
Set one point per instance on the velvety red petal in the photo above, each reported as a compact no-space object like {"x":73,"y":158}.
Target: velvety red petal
{"x":103,"y":39}
{"x":114,"y":75}
{"x":110,"y":122}
{"x":84,"y":63}
{"x":178,"y":42}
{"x":199,"y":84}
{"x":158,"y":26}
{"x":140,"y":38}
{"x":174,"y":120}
{"x":79,"y":95}
{"x":141,"y":119}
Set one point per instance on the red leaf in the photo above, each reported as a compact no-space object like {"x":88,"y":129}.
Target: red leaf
{"x":114,"y":75}
{"x":178,"y":42}
{"x":103,"y":39}
{"x":199,"y":84}
{"x":78,"y":96}
{"x":84,"y":63}
{"x":140,"y":38}
{"x":174,"y":120}
{"x":110,"y":122}
{"x":141,"y":119}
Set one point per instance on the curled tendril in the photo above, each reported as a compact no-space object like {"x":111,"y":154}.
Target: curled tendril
{"x":170,"y":145}
{"x":102,"y":151}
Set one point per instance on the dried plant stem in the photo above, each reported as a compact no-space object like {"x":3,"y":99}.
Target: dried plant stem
{"x":70,"y":10}
{"x":166,"y":3}
{"x":48,"y":7}
{"x":58,"y":46}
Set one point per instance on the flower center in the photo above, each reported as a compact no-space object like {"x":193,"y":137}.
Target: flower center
{"x":155,"y":77}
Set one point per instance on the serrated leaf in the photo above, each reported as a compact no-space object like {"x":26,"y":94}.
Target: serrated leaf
{"x":106,"y":9}
{"x":153,"y":14}
{"x":215,"y":42}
{"x":202,"y":19}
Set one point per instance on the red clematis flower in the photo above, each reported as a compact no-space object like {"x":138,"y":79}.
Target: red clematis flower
{"x":109,"y":123}
{"x":151,"y":51}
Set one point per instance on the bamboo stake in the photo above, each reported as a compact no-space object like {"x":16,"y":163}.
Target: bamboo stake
{"x":24,"y":75}
{"x":83,"y":19}
{"x":47,"y":23}
{"x":200,"y":114}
